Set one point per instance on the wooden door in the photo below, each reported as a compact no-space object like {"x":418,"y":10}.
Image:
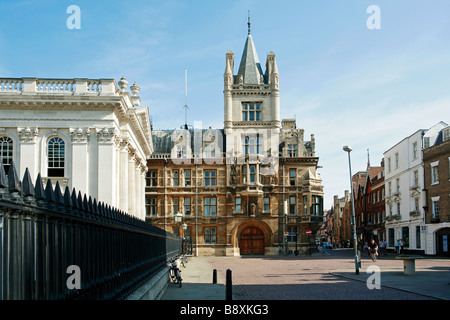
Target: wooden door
{"x":251,"y":241}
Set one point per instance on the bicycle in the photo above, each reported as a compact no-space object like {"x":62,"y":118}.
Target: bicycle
{"x":175,"y":272}
{"x":382,"y":253}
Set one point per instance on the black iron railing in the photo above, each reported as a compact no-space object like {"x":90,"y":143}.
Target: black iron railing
{"x":48,"y":238}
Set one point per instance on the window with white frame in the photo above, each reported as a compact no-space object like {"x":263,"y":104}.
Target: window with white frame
{"x":396,"y":160}
{"x":435,"y":207}
{"x":416,"y":178}
{"x":55,"y":157}
{"x":435,"y":172}
{"x":6,"y":152}
{"x":210,"y":151}
{"x":237,"y":205}
{"x":181,"y":151}
{"x":414,"y":147}
{"x":389,"y":164}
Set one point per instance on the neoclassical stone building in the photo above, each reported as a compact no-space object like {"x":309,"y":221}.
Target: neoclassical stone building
{"x":87,"y":134}
{"x":247,"y":188}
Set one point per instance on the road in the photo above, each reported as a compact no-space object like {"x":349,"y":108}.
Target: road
{"x":309,"y":277}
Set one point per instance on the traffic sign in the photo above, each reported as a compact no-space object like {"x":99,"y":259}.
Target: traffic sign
{"x":308,"y":232}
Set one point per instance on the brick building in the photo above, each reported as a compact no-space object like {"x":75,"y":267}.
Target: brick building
{"x":248,"y":188}
{"x":436,"y":161}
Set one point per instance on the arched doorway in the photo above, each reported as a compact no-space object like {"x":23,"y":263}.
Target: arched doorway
{"x":251,"y":241}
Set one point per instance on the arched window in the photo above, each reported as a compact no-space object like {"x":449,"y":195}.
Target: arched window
{"x":6,"y":152}
{"x":55,"y":156}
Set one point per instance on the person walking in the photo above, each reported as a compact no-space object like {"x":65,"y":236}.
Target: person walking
{"x":382,"y":247}
{"x":397,"y":247}
{"x":402,"y":246}
{"x":373,"y":250}
{"x":366,"y":247}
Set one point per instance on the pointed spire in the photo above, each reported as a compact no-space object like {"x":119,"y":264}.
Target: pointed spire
{"x":250,"y":71}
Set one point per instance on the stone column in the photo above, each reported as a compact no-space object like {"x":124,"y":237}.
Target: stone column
{"x":80,"y":159}
{"x":28,"y":153}
{"x":123,"y":174}
{"x":131,"y":185}
{"x":106,"y":166}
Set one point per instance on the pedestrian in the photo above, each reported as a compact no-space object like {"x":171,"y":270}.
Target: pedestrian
{"x":382,"y":246}
{"x":397,"y":247}
{"x":366,"y":247}
{"x":373,"y":249}
{"x":324,"y":246}
{"x":402,"y":246}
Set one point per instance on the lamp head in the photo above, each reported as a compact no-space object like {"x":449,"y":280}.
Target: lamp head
{"x":347,"y":148}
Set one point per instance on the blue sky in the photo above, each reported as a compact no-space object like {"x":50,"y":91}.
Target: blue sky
{"x":343,"y":83}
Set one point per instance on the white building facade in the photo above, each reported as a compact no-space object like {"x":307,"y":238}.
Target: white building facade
{"x":87,"y":134}
{"x":404,"y":184}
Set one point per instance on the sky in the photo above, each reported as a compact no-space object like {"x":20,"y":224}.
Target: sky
{"x":343,"y":82}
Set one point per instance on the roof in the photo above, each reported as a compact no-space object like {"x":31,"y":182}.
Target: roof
{"x":250,"y":68}
{"x":163,"y":139}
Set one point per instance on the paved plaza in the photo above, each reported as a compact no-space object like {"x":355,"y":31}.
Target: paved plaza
{"x":321,"y":276}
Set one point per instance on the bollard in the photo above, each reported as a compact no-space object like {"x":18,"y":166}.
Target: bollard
{"x":228,"y":289}
{"x":215,"y":276}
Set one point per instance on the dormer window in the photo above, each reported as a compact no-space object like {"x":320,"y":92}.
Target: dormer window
{"x":251,"y":111}
{"x":181,"y":152}
{"x":292,"y":150}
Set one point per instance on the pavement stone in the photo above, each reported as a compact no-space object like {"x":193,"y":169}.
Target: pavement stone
{"x":197,"y":283}
{"x":318,"y":277}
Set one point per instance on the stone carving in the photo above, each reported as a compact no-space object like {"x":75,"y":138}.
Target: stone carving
{"x":28,"y":135}
{"x":80,"y":135}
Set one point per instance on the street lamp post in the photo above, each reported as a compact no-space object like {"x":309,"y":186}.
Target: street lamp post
{"x":178,"y":219}
{"x":348,"y":149}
